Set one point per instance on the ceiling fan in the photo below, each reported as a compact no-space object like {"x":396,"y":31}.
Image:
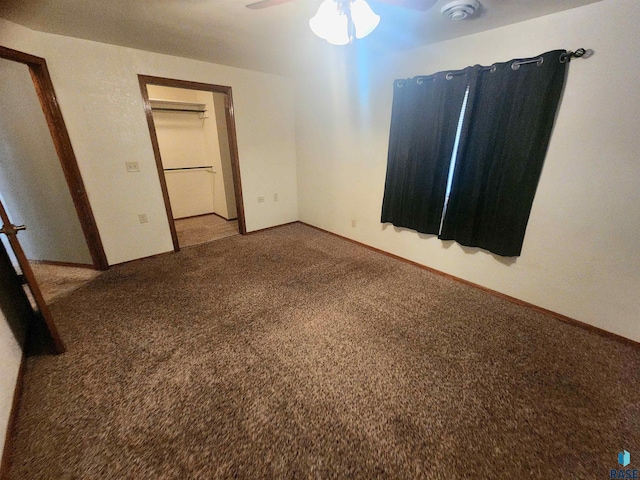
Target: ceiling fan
{"x":339,"y":21}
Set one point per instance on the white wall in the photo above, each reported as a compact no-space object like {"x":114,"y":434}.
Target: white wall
{"x":580,"y":256}
{"x":13,"y":318}
{"x":214,"y":144}
{"x":180,"y":135}
{"x":224,"y":174}
{"x":32,"y":184}
{"x":99,"y":95}
{"x":10,"y":357}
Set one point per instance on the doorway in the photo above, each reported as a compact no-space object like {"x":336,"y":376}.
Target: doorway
{"x":39,"y":177}
{"x":193,"y":134}
{"x":42,"y":195}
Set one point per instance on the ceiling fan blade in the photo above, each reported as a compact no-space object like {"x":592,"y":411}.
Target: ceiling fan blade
{"x":266,"y":3}
{"x":421,"y":5}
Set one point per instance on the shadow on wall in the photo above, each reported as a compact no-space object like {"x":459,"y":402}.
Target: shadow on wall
{"x":446,"y":244}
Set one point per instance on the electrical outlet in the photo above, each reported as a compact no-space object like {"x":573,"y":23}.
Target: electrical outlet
{"x":143,"y":218}
{"x":132,"y":166}
{"x":353,"y":223}
{"x":260,"y":199}
{"x":275,"y":197}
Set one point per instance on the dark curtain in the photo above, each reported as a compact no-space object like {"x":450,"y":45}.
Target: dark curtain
{"x":424,"y":118}
{"x":508,"y":123}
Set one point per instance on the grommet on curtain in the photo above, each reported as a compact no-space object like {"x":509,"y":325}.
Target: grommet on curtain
{"x":493,"y":69}
{"x":449,"y":76}
{"x":537,"y":61}
{"x":400,"y":83}
{"x":420,"y":81}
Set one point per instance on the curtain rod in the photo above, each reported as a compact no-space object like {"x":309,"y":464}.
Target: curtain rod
{"x":564,"y":57}
{"x":581,"y":52}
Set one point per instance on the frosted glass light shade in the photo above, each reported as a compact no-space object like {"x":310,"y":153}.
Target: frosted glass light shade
{"x":364,"y":20}
{"x":330,"y":24}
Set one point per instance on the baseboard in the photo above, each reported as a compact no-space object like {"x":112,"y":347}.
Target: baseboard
{"x":13,"y":415}
{"x":144,"y":258}
{"x":65,"y":264}
{"x":504,"y":296}
{"x":278,"y":226}
{"x":194,"y":216}
{"x":224,"y":218}
{"x":205,"y":215}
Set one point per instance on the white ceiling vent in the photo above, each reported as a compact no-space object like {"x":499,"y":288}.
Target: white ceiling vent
{"x":460,"y":9}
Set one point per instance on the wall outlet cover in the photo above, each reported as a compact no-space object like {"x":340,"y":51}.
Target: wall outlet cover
{"x":132,"y":166}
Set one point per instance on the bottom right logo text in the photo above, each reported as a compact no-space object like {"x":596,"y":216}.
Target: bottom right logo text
{"x":624,"y":459}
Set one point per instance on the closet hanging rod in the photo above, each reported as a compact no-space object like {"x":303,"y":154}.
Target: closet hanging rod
{"x":186,"y":168}
{"x":158,"y":109}
{"x":159,"y":104}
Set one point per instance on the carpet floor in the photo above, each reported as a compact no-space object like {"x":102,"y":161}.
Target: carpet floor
{"x":204,"y":228}
{"x":294,"y":354}
{"x":56,"y":281}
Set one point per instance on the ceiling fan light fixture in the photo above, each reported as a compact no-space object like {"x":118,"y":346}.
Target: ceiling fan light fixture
{"x":339,"y":35}
{"x":330,"y":24}
{"x":337,"y":20}
{"x":365,"y":20}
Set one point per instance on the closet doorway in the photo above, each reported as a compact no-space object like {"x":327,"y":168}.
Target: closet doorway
{"x":193,"y":134}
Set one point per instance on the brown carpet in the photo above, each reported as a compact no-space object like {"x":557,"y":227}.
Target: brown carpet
{"x":293,"y":354}
{"x":56,"y":281}
{"x":204,"y":228}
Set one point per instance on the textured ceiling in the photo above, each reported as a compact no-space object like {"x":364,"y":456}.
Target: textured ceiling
{"x":274,"y":40}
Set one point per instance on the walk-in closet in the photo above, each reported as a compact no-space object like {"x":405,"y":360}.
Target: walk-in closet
{"x":193,"y":139}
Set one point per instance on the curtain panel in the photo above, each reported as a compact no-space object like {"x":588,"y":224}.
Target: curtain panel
{"x":507,"y":125}
{"x":425,"y":110}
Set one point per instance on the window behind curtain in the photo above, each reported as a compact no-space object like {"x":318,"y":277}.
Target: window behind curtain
{"x":425,"y":110}
{"x":495,"y":153}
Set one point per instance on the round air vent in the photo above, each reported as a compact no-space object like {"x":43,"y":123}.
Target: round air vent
{"x":460,"y":9}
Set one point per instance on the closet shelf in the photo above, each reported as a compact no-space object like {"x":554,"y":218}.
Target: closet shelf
{"x":174,"y":106}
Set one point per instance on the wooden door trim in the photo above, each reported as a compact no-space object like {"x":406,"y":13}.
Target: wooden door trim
{"x":60,"y":136}
{"x":145,"y":80}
